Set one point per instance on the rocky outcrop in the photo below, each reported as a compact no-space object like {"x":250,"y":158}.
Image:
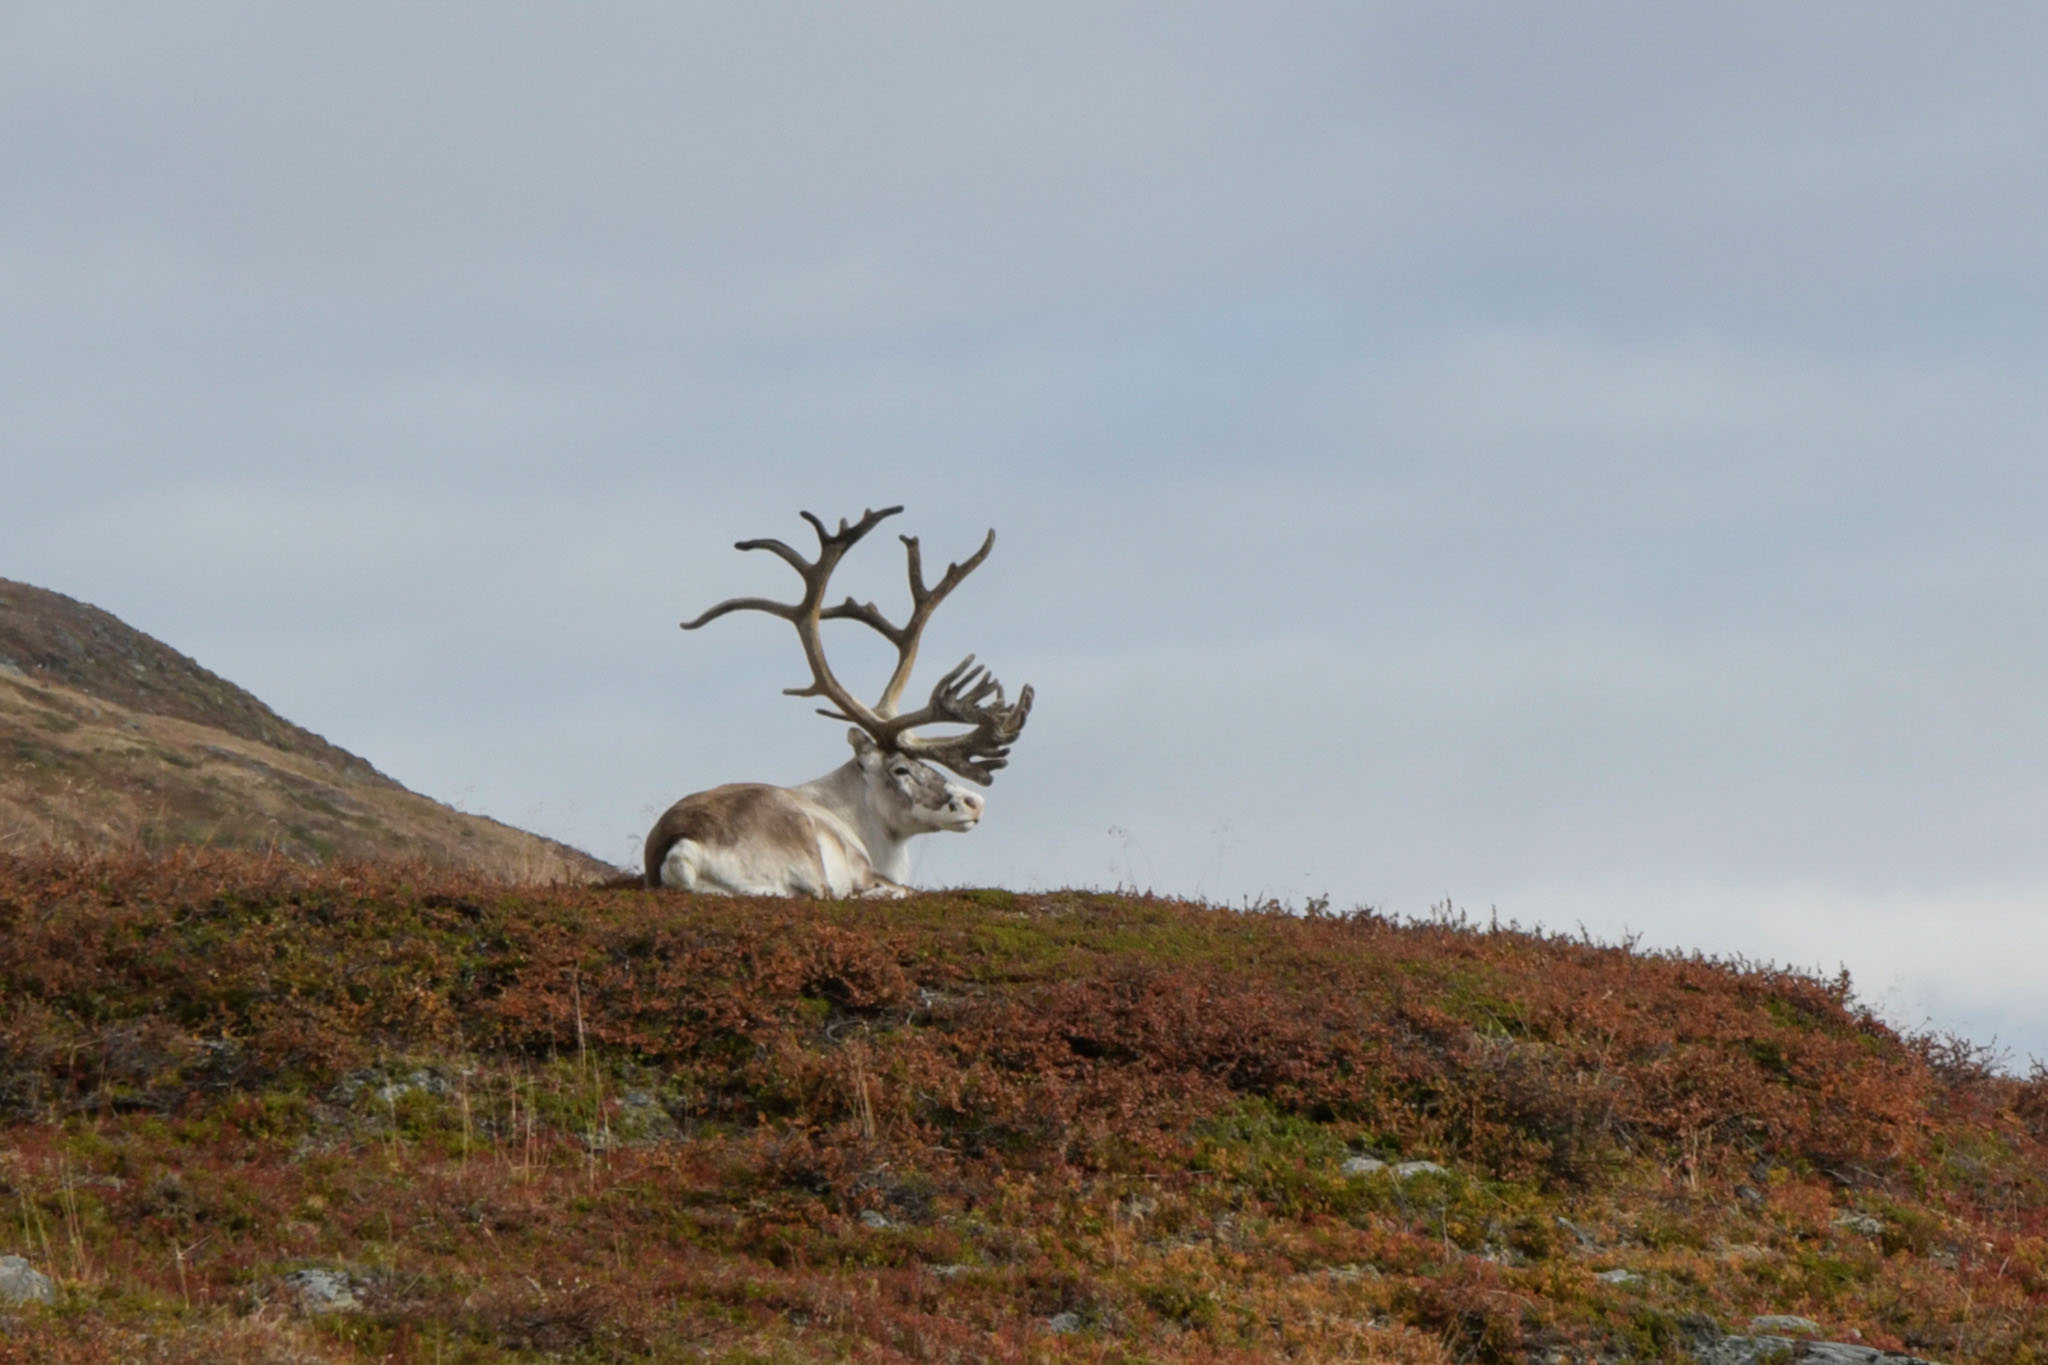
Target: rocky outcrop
{"x":1784,"y":1340}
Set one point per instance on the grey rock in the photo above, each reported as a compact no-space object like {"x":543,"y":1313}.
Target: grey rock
{"x":1351,"y":1273}
{"x":644,"y":1120}
{"x":1777,"y":1350}
{"x":1860,"y":1222}
{"x":21,"y":1282}
{"x":1060,"y":1324}
{"x":872,"y":1218}
{"x":386,"y":1088}
{"x":1368,"y":1165}
{"x":1618,"y":1276}
{"x":1781,"y":1323}
{"x":1585,"y":1239}
{"x":323,"y":1291}
{"x":420,"y":1082}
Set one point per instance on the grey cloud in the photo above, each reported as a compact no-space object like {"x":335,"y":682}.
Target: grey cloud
{"x":1581,"y":460}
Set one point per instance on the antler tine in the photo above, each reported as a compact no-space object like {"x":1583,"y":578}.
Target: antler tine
{"x":923,"y":602}
{"x":962,"y":697}
{"x":784,"y":610}
{"x":781,"y":551}
{"x":868,"y":614}
{"x":966,"y":695}
{"x":832,"y":544}
{"x":805,"y":613}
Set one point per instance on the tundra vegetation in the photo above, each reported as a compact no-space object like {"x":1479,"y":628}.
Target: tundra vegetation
{"x":261,"y":1112}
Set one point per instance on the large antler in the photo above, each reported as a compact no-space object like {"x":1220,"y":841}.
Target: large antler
{"x":962,"y":695}
{"x":967,"y":695}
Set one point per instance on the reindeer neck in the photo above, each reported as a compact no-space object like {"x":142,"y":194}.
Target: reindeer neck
{"x":843,"y":791}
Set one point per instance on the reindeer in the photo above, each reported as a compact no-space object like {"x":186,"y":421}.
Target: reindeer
{"x":846,"y":833}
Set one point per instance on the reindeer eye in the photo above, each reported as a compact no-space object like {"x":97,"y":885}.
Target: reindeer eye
{"x":901,"y":770}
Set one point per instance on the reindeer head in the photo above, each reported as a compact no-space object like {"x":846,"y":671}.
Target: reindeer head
{"x":909,"y":796}
{"x":884,"y":741}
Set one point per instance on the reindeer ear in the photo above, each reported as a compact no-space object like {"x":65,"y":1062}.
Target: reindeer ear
{"x":863,"y":743}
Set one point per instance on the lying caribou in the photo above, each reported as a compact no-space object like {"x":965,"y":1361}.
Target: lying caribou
{"x":845,"y":834}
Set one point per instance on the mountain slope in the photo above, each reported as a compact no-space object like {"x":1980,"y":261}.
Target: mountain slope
{"x":112,"y":739}
{"x":56,"y":639}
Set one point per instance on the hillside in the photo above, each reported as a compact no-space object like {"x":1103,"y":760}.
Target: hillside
{"x":262,"y":1112}
{"x":55,"y":639}
{"x":111,"y":739}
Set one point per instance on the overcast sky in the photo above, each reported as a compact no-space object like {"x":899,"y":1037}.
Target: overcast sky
{"x":1584,"y":462}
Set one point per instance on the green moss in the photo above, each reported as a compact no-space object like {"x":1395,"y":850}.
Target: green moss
{"x":1655,"y":1335}
{"x":1181,"y":1302}
{"x":1908,"y":1228}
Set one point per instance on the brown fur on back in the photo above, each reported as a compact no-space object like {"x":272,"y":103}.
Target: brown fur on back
{"x":722,"y":817}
